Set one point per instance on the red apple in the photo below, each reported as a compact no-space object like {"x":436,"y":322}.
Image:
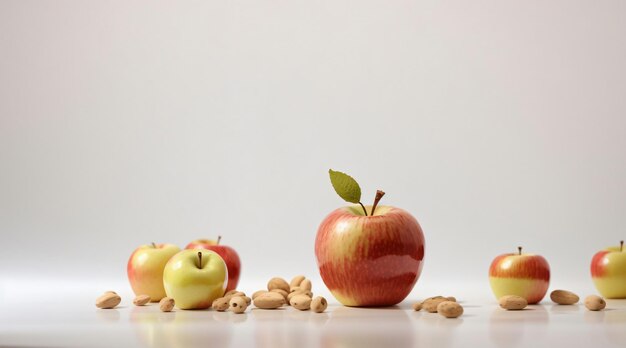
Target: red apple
{"x":145,"y":269}
{"x":608,"y":270}
{"x":370,"y":260}
{"x":525,"y":275}
{"x":227,"y":253}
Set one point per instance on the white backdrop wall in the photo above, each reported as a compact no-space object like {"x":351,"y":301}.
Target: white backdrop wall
{"x":496,"y":124}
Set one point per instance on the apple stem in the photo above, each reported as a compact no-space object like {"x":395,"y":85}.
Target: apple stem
{"x":621,"y":245}
{"x":379,"y":195}
{"x":199,"y":259}
{"x":364,"y":210}
{"x":153,"y":245}
{"x":519,"y":250}
{"x":218,"y":240}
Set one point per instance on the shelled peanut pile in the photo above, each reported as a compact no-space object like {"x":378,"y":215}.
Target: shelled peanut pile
{"x":279,"y":293}
{"x":446,"y":306}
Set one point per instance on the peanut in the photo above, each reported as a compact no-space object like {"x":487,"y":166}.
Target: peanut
{"x":301,"y":302}
{"x":257,"y":293}
{"x":278,"y":283}
{"x":238,"y":304}
{"x":564,"y":297}
{"x":108,"y":300}
{"x":299,"y":292}
{"x":233,"y":292}
{"x":430,"y":304}
{"x":269,"y":300}
{"x":417,"y":306}
{"x":594,"y":303}
{"x":306,"y":284}
{"x":449,"y":309}
{"x":512,"y":302}
{"x":166,"y":304}
{"x":247,"y":299}
{"x":141,"y":300}
{"x":296,"y":281}
{"x":221,"y":304}
{"x":319,"y":304}
{"x":282,"y":292}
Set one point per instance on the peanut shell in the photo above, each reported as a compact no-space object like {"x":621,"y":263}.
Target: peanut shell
{"x":301,"y":302}
{"x":319,"y":304}
{"x":417,"y":306}
{"x":278,"y":283}
{"x":282,"y":292}
{"x":512,"y":302}
{"x":269,"y":300}
{"x":108,"y":300}
{"x":299,"y":292}
{"x":449,"y":309}
{"x":141,"y":300}
{"x":430,"y":304}
{"x":221,"y":304}
{"x":594,"y":303}
{"x":296,"y":281}
{"x":257,"y":293}
{"x":166,"y":304}
{"x":306,"y":284}
{"x":564,"y":297}
{"x":238,"y":304}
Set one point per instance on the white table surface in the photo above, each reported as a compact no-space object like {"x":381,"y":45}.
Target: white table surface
{"x":63,"y":315}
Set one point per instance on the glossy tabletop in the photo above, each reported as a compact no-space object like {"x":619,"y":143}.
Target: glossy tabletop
{"x":65,"y":316}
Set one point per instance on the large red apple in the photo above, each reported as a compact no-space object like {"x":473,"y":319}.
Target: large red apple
{"x":370,"y":260}
{"x":521,"y":274}
{"x":368,"y":256}
{"x":227,"y":253}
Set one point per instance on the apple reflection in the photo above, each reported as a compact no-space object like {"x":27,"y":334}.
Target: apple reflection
{"x":613,"y":320}
{"x":508,"y":328}
{"x":179,"y":328}
{"x":368,"y":327}
{"x":282,"y":327}
{"x":109,"y":315}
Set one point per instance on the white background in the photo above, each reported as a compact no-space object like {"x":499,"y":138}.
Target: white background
{"x":496,"y":124}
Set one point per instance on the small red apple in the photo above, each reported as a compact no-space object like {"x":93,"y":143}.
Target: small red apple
{"x":608,"y":270}
{"x":227,"y":253}
{"x":521,"y":274}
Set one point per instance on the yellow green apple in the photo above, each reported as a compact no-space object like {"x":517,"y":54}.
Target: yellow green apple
{"x":608,"y":271}
{"x":194,"y":278}
{"x":145,"y":269}
{"x":227,"y":253}
{"x":521,"y":274}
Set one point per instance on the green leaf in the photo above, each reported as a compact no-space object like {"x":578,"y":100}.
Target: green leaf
{"x":345,"y":186}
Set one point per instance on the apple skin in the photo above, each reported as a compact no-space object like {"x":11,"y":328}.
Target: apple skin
{"x":227,"y":253}
{"x":520,"y":274}
{"x":194,"y":287}
{"x":370,"y":260}
{"x":145,"y":269}
{"x":608,"y":271}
